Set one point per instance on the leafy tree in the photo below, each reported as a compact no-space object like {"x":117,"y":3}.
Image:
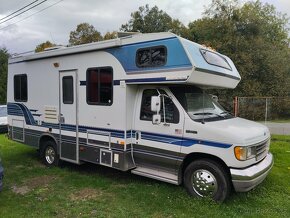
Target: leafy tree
{"x":84,"y":33}
{"x":4,"y":55}
{"x":255,"y":37}
{"x":110,"y":35}
{"x":43,"y":46}
{"x":148,"y":20}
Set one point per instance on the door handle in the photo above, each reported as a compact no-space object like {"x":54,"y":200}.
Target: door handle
{"x":61,"y":118}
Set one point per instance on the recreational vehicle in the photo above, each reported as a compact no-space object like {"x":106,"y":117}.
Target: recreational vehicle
{"x":138,"y":103}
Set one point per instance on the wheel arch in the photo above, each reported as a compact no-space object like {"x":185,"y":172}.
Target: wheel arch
{"x":47,"y":137}
{"x":189,"y":158}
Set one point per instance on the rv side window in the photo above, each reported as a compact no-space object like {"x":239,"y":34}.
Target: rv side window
{"x":151,"y":57}
{"x":20,"y":87}
{"x":100,"y":86}
{"x":171,"y":112}
{"x":67,"y":90}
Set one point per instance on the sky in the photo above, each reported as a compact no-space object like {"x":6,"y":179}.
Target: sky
{"x":54,"y":19}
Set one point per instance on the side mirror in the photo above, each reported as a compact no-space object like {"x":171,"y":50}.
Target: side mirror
{"x":214,"y":97}
{"x":156,"y":119}
{"x":155,"y":104}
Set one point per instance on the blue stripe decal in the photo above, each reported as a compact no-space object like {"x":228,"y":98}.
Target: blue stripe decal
{"x":176,"y":55}
{"x":180,"y":141}
{"x":141,"y":80}
{"x":116,"y":82}
{"x":18,"y":109}
{"x":147,"y":80}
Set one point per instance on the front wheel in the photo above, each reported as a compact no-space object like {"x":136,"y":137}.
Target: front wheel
{"x":206,"y":178}
{"x":49,"y":154}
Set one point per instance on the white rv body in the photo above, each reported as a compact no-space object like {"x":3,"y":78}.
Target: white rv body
{"x":114,"y":133}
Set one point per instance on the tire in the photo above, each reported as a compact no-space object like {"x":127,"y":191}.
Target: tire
{"x":207,"y":178}
{"x":49,"y":155}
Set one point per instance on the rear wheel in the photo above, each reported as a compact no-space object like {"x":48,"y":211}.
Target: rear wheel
{"x":206,"y":178}
{"x":49,"y":154}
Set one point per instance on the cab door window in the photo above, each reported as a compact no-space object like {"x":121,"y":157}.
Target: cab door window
{"x":171,"y":111}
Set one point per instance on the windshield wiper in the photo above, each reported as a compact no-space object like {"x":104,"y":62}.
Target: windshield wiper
{"x":208,"y":113}
{"x":226,"y":113}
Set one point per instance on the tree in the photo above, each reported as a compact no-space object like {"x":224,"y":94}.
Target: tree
{"x":148,"y":20}
{"x":255,"y":37}
{"x":110,"y":35}
{"x":43,"y":46}
{"x":84,"y":33}
{"x":4,"y":55}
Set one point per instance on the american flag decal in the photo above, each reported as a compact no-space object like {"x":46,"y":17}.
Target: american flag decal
{"x":178,"y":131}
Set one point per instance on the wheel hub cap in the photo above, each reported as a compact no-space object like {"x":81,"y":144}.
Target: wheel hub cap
{"x":204,"y":183}
{"x":49,"y":155}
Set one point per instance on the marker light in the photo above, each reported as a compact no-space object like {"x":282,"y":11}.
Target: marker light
{"x":241,"y":153}
{"x":245,"y":153}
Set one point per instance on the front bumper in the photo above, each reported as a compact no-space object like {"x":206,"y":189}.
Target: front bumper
{"x":248,"y":178}
{"x":1,"y":177}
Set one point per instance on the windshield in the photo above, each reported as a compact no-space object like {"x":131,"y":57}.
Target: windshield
{"x":3,"y":111}
{"x":199,"y":105}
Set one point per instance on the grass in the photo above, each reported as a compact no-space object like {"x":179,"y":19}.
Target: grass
{"x":33,"y":190}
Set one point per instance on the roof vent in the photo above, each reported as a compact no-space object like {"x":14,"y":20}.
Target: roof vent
{"x":54,"y":48}
{"x":126,"y":34}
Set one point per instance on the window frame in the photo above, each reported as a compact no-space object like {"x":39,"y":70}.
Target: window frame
{"x":68,"y":102}
{"x":20,"y":100}
{"x":98,"y":69}
{"x":149,"y":48}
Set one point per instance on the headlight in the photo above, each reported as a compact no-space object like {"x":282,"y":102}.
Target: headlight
{"x":245,"y":153}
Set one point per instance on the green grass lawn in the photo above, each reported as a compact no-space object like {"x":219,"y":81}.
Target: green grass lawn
{"x":33,"y":190}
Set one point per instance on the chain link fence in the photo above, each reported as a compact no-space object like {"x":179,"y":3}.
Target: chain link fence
{"x":267,"y":109}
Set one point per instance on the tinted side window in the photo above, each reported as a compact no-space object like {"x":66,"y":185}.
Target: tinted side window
{"x":151,"y":57}
{"x":20,"y":87}
{"x":100,"y":86}
{"x":171,"y":112}
{"x":67,"y":90}
{"x":146,"y":113}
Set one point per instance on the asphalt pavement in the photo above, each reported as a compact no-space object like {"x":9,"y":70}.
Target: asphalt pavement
{"x":278,"y":128}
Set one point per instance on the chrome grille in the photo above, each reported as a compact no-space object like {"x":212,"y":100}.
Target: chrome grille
{"x":262,"y":149}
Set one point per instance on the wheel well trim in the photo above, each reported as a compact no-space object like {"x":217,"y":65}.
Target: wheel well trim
{"x":189,"y":158}
{"x":48,"y":135}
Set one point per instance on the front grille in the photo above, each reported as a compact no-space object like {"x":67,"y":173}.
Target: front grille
{"x":262,"y":149}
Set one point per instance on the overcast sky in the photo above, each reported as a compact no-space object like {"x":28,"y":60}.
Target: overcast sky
{"x":55,"y":23}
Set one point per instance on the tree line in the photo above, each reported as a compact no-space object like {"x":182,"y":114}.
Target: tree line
{"x":254,"y":35}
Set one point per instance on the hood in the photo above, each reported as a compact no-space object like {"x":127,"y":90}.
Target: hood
{"x":237,"y":131}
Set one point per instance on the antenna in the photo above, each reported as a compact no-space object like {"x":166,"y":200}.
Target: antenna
{"x":53,"y":41}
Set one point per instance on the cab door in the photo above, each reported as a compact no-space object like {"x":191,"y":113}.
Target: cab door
{"x":158,"y":146}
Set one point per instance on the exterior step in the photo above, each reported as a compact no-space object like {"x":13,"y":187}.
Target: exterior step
{"x":156,"y":174}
